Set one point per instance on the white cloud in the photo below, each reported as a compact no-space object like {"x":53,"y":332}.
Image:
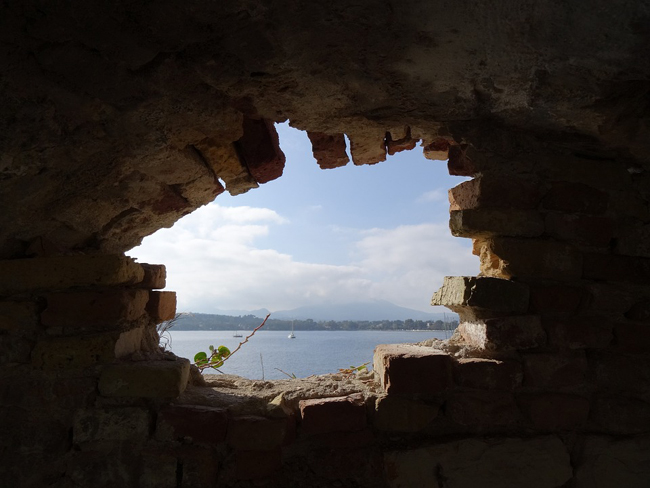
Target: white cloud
{"x":213,"y":262}
{"x":433,"y":196}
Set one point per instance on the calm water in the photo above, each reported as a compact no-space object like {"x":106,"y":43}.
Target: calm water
{"x":311,"y":352}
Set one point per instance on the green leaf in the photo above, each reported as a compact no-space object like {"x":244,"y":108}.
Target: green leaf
{"x":224,"y":352}
{"x":200,"y":356}
{"x":218,"y":365}
{"x":211,"y":347}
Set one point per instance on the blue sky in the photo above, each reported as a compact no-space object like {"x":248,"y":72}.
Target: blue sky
{"x":312,"y":236}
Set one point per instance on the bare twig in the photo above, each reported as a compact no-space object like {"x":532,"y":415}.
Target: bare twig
{"x":249,"y":336}
{"x":292,"y":375}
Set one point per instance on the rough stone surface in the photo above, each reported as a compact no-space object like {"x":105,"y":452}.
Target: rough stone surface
{"x":553,"y":412}
{"x":116,"y":424}
{"x":161,"y":306}
{"x":203,"y":425}
{"x":329,"y":150}
{"x":145,"y":379}
{"x":488,"y":192}
{"x":410,"y":369}
{"x":540,"y":462}
{"x":505,"y":333}
{"x":256,"y":433}
{"x":486,"y":222}
{"x":489,"y":374}
{"x":394,"y":414}
{"x":336,"y":414}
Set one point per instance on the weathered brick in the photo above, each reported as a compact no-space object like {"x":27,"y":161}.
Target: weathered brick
{"x":256,"y":433}
{"x":21,"y":317}
{"x":555,"y":411}
{"x":200,"y":466}
{"x":579,"y":332}
{"x":411,"y":369}
{"x":488,"y":192}
{"x":251,"y":465}
{"x":602,"y":174}
{"x":621,"y":373}
{"x":322,"y":415}
{"x":495,"y":463}
{"x":328,"y":150}
{"x":482,"y":409}
{"x":504,"y":333}
{"x":486,"y":222}
{"x":590,"y":230}
{"x":367,"y":146}
{"x":478,"y":297}
{"x":399,"y":140}
{"x":397,"y":414}
{"x":61,"y":272}
{"x":145,"y":379}
{"x":222,"y":157}
{"x":204,"y":425}
{"x":438,"y":150}
{"x":509,"y":257}
{"x":111,"y":424}
{"x":463,"y":161}
{"x":75,"y":352}
{"x":632,"y":336}
{"x":161,"y":305}
{"x":158,"y":470}
{"x":14,"y":349}
{"x":259,"y":147}
{"x":155,"y":276}
{"x":610,"y":267}
{"x":489,"y":374}
{"x":620,"y":415}
{"x":605,"y":461}
{"x":101,"y":310}
{"x":556,"y":300}
{"x":575,"y":198}
{"x":543,"y":370}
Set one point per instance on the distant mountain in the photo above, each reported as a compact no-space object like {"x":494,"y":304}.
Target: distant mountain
{"x":370,"y":310}
{"x":261,"y":313}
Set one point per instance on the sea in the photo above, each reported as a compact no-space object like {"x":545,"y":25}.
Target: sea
{"x":271,"y":354}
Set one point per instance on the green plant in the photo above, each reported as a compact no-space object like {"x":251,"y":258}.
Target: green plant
{"x":164,"y":337}
{"x":292,"y":375}
{"x":218,"y":355}
{"x":353,"y":370}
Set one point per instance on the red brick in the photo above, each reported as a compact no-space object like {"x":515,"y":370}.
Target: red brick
{"x":161,"y":305}
{"x":329,"y":150}
{"x":437,"y":150}
{"x":338,"y":414}
{"x":610,"y":267}
{"x":410,"y":369}
{"x":483,"y":410}
{"x":367,"y":146}
{"x":489,"y":374}
{"x":489,"y":192}
{"x":583,"y":229}
{"x":205,"y":425}
{"x":485,"y":222}
{"x":405,"y":143}
{"x":155,"y":276}
{"x":259,"y":148}
{"x":94,"y":310}
{"x":556,"y":300}
{"x":555,"y":411}
{"x":461,"y":161}
{"x":579,"y":332}
{"x":250,"y":465}
{"x":575,"y":197}
{"x":554,"y":370}
{"x":254,"y":433}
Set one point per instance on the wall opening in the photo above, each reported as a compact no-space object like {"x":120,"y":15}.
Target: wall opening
{"x":352,"y":249}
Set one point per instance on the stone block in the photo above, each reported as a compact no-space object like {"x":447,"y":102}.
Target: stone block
{"x":223,"y":159}
{"x":75,"y":352}
{"x":259,"y":147}
{"x":155,"y":276}
{"x":591,"y":332}
{"x":575,"y":198}
{"x":479,"y":297}
{"x":611,"y":298}
{"x":483,"y":410}
{"x":620,"y":415}
{"x":610,"y":267}
{"x":328,"y":150}
{"x":252,"y":465}
{"x":19,"y":317}
{"x":605,"y":462}
{"x":488,"y":374}
{"x":161,"y":305}
{"x":145,"y":379}
{"x":489,"y":192}
{"x":602,"y":174}
{"x":397,"y":414}
{"x":131,"y":341}
{"x":538,"y":462}
{"x":623,"y":373}
{"x":634,"y":242}
{"x":62,"y":272}
{"x":200,"y":467}
{"x":337,"y":414}
{"x":438,"y":150}
{"x":355,"y":439}
{"x":487,"y":222}
{"x":556,"y":300}
{"x":639,"y":312}
{"x":203,"y":425}
{"x":509,"y":257}
{"x":254,"y":433}
{"x":463,"y":161}
{"x":555,"y":412}
{"x":399,"y":140}
{"x":111,"y":424}
{"x":504,"y":333}
{"x":158,"y":470}
{"x":89,"y":310}
{"x":14,"y":349}
{"x":367,"y":146}
{"x":590,"y":230}
{"x":410,"y":369}
{"x":632,"y":336}
{"x":554,"y":371}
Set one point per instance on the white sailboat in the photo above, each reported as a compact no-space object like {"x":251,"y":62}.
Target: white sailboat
{"x":237,"y":332}
{"x":292,"y":335}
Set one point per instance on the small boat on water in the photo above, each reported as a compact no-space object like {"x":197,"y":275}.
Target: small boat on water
{"x":237,"y":332}
{"x":292,"y":335}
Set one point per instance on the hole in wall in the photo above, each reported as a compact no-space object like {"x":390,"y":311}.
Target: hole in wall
{"x":331,"y":252}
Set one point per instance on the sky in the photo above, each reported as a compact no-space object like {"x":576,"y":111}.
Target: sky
{"x":350,"y":234}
